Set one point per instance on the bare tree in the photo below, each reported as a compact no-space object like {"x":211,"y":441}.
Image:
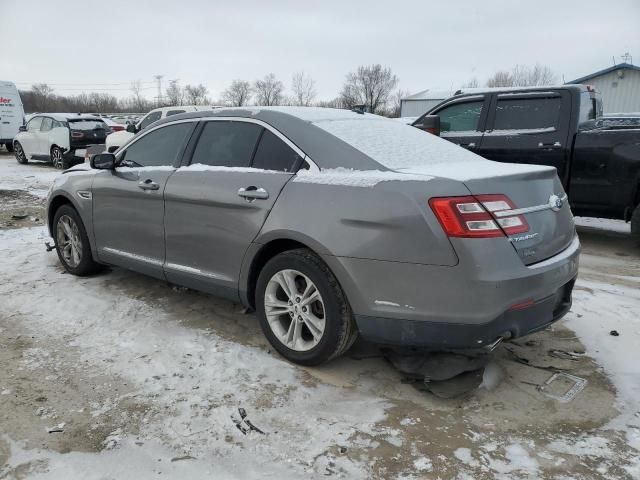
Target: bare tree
{"x":196,"y":94}
{"x":268,"y":90}
{"x":396,"y":103}
{"x":175,"y":94}
{"x":138,"y":96}
{"x":370,"y":86}
{"x":523,"y":76}
{"x":500,"y":79}
{"x":42,"y":96}
{"x":473,"y":83}
{"x":238,"y":94}
{"x":303,"y":88}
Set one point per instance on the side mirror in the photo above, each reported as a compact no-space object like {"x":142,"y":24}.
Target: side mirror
{"x":428,"y":123}
{"x":103,"y":161}
{"x":22,"y":128}
{"x":131,"y":128}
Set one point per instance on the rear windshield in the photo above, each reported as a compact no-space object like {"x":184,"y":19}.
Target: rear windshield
{"x":394,"y":144}
{"x":87,"y":124}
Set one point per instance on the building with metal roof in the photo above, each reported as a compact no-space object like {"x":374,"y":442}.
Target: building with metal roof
{"x":619,"y":86}
{"x":418,"y":103}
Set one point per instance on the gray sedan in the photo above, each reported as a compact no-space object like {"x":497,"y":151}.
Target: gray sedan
{"x":330,"y":224}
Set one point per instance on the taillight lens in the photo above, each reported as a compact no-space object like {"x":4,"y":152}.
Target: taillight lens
{"x":76,"y":134}
{"x":472,"y":216}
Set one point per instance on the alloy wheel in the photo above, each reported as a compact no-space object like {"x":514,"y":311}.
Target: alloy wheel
{"x":295,"y":310}
{"x":56,"y":157}
{"x":68,"y":241}
{"x":20,"y":153}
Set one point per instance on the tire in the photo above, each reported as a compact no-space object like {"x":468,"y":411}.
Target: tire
{"x":21,"y":157}
{"x":327,"y":329}
{"x":57,"y":158}
{"x":72,"y":242}
{"x":9,"y":146}
{"x":635,"y":225}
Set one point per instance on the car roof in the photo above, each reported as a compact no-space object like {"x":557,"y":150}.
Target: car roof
{"x":481,"y":91}
{"x":63,"y":117}
{"x":296,"y":123}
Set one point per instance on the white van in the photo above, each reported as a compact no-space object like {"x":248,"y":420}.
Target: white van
{"x":11,"y":113}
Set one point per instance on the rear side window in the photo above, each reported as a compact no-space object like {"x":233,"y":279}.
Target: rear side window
{"x":158,"y":148}
{"x":47,"y":124}
{"x":34,"y":124}
{"x":226,"y":144}
{"x":174,"y":112}
{"x":149,"y":119}
{"x":273,"y":154}
{"x":461,"y":117}
{"x":527,"y":113}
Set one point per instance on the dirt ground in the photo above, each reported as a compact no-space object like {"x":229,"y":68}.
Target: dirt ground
{"x":72,"y":388}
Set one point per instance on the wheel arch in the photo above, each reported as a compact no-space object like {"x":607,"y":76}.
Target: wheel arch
{"x":55,"y":203}
{"x":263,"y":250}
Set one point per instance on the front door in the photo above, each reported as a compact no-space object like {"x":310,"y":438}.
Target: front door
{"x":216,"y":206}
{"x":128,"y":203}
{"x":531,"y":128}
{"x":461,"y":121}
{"x":30,"y":141}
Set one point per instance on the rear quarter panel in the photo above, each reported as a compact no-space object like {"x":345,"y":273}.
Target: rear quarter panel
{"x":59,"y":136}
{"x":388,"y":221}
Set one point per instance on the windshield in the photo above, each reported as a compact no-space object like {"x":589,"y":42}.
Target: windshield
{"x":395,"y":145}
{"x":86,"y":124}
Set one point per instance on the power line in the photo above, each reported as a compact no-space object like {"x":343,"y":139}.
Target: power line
{"x":81,"y":84}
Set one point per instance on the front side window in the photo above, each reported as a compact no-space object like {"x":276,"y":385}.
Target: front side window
{"x":461,"y":117}
{"x":149,"y":119}
{"x":226,"y":144}
{"x":47,"y":124}
{"x":158,"y":148}
{"x":34,"y":124}
{"x":273,"y":154}
{"x":527,"y":113}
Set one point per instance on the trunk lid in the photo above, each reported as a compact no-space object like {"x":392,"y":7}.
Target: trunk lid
{"x":529,"y":187}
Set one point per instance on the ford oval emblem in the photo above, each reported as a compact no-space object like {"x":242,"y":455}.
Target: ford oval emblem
{"x":555,"y":202}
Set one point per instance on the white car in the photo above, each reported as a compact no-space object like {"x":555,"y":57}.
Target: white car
{"x":59,"y":138}
{"x":117,"y":139}
{"x":11,"y":113}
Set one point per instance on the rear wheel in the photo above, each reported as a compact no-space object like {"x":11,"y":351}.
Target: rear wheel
{"x":635,"y":225}
{"x":58,"y":159}
{"x":302,"y":309}
{"x":9,"y":146}
{"x":21,"y":157}
{"x":72,"y":243}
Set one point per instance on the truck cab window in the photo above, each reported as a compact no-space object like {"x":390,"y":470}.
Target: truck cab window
{"x":461,"y":116}
{"x":532,"y":113}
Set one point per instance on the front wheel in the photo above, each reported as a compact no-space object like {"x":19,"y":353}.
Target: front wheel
{"x":302,"y":309}
{"x":21,"y":157}
{"x":72,"y":242}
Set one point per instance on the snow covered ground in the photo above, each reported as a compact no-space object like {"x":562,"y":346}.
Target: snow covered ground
{"x":146,"y":380}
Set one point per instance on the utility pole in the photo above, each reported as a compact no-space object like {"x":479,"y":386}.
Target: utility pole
{"x":159,"y":97}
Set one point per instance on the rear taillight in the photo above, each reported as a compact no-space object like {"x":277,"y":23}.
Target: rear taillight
{"x":75,"y":134}
{"x":472,"y":216}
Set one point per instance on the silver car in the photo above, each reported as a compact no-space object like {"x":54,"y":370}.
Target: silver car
{"x":330,"y":224}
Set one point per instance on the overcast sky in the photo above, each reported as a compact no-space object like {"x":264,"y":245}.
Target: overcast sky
{"x":86,"y":45}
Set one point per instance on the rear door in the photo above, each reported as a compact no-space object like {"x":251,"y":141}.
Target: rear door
{"x":529,"y":127}
{"x":128,"y":204}
{"x":462,"y":121}
{"x":216,"y":206}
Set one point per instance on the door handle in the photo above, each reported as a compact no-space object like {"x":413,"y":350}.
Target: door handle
{"x":252,"y":193}
{"x":553,"y":145}
{"x":148,"y":184}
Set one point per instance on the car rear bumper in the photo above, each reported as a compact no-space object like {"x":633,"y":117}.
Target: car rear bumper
{"x":470,"y":305}
{"x":440,"y":335}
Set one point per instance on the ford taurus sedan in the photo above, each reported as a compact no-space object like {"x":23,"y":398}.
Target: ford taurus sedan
{"x":330,"y":224}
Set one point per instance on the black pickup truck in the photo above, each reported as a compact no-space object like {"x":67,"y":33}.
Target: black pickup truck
{"x":597,"y":157}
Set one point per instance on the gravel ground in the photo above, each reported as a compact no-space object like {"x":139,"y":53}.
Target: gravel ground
{"x":122,"y":376}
